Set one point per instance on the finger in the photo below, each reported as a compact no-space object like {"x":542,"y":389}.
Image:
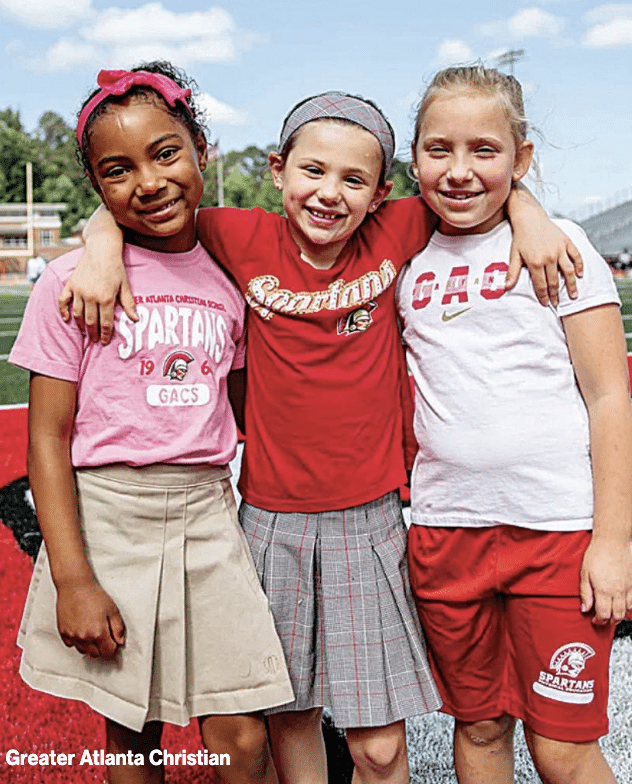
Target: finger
{"x":127,"y":301}
{"x":618,"y":608}
{"x":586,"y":593}
{"x":117,"y":629}
{"x":78,"y":308}
{"x":603,"y":610}
{"x":568,"y":271}
{"x":65,"y":298}
{"x":91,"y":316}
{"x":540,"y":285}
{"x":106,"y":647}
{"x":515,"y":265}
{"x":106,"y":320}
{"x":576,"y":258}
{"x":553,"y":283}
{"x":91,"y":649}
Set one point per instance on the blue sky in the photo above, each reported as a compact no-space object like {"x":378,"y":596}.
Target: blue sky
{"x":255,"y":58}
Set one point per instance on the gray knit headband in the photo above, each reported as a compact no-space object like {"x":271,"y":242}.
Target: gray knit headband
{"x":340,"y":106}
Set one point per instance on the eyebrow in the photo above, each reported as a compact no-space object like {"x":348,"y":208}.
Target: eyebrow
{"x":156,"y":143}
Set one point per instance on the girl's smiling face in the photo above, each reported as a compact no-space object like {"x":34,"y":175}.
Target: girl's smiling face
{"x":148,"y":170}
{"x":330,"y":181}
{"x":466,"y":160}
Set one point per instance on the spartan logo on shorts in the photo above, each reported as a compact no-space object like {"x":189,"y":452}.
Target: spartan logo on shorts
{"x":562,"y":682}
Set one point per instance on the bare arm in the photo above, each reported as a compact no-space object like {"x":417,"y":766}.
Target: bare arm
{"x":542,"y":247}
{"x":98,"y":280}
{"x":598,"y":352}
{"x":237,"y":395}
{"x":87,"y":618}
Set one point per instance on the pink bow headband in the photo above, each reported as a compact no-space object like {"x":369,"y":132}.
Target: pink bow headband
{"x":120,"y":82}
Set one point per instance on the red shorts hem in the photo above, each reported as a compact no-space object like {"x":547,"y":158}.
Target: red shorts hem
{"x":573,"y":734}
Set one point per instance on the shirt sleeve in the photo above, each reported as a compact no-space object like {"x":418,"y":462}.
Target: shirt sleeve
{"x":228,"y":234}
{"x":597,"y":286}
{"x":411,"y":220}
{"x":46,"y":344}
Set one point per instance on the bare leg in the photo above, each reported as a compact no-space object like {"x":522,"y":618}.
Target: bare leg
{"x":245,"y":738}
{"x":121,"y":740}
{"x":558,"y":762}
{"x":298,"y":747}
{"x":379,"y":754}
{"x":483,"y":751}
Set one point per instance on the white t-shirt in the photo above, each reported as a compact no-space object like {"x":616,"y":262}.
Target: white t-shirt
{"x":502,"y":427}
{"x":157,"y":392}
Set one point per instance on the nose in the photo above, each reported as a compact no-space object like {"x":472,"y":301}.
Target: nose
{"x":329,"y":189}
{"x":149,"y":181}
{"x":459,"y":170}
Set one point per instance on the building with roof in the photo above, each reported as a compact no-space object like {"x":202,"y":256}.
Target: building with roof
{"x":31,"y":230}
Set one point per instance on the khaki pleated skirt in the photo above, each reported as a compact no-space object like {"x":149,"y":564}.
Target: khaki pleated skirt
{"x":165,"y":543}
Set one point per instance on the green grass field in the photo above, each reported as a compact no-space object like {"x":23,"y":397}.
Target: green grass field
{"x":14,"y":383}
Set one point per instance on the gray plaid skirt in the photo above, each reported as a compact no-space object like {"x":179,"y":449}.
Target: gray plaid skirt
{"x":338,"y":587}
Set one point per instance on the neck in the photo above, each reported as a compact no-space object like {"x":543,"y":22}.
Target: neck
{"x":318,"y":256}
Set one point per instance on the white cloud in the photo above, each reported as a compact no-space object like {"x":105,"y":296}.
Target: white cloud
{"x":528,"y":23}
{"x":453,"y":51}
{"x":611,"y":25}
{"x":47,"y":13}
{"x":119,"y":37}
{"x":220,"y":113}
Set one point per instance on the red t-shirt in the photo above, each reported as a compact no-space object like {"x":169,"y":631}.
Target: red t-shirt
{"x":324,"y":425}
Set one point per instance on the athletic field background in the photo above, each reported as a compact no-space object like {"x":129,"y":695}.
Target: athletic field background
{"x":33,"y":723}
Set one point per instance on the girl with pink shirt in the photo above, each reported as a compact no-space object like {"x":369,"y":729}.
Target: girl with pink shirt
{"x":144,"y":565}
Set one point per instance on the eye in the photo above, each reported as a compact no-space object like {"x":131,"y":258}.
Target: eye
{"x":166,"y":153}
{"x":313,"y":170}
{"x":114,"y":172}
{"x":355,"y":181}
{"x":437,"y":150}
{"x":486,"y":150}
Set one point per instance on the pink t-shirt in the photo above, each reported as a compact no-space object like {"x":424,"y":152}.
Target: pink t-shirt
{"x":157,"y":392}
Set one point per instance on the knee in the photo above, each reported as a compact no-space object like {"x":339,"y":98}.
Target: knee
{"x":488,"y":733}
{"x":558,"y":762}
{"x":306,"y":722}
{"x":242,"y":737}
{"x":380,"y":751}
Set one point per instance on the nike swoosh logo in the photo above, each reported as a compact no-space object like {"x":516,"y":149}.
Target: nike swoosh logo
{"x":449,"y":316}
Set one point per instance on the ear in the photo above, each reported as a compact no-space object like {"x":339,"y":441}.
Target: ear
{"x":381,"y":192}
{"x":524,"y":156}
{"x":413,"y":165}
{"x":201,"y":147}
{"x":276,"y":164}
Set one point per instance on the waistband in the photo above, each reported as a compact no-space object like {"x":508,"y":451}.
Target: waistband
{"x":159,"y":474}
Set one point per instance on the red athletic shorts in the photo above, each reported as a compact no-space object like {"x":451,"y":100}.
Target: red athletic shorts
{"x":500,"y":609}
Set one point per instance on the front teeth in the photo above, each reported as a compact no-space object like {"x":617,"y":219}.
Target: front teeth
{"x":324,"y":215}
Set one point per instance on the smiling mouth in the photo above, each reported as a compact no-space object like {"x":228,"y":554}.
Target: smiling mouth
{"x":460,"y":195}
{"x":162,"y":208}
{"x":324,"y":215}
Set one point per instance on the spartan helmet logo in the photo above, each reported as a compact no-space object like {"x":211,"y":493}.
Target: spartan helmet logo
{"x":359,"y":320}
{"x":176,"y":365}
{"x":571,"y":659}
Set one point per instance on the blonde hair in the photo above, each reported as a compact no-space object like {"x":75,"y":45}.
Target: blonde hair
{"x":476,"y":78}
